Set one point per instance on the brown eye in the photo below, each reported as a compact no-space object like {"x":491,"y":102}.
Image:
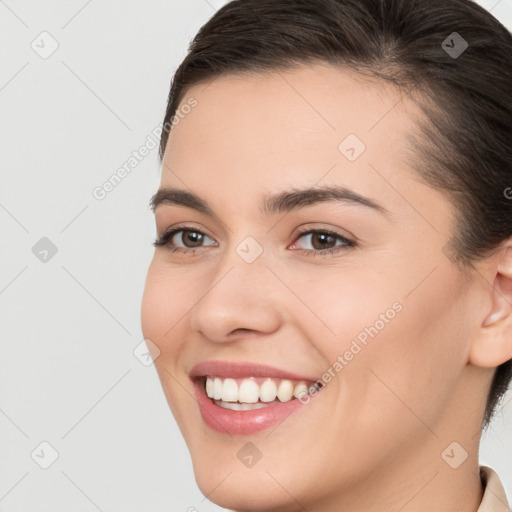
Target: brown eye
{"x":318,"y":240}
{"x":322,"y":241}
{"x":183,"y":239}
{"x":189,"y":238}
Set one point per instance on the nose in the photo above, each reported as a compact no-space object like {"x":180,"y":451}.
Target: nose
{"x":241,"y":299}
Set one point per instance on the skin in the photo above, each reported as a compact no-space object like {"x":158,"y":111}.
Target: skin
{"x":372,"y":439}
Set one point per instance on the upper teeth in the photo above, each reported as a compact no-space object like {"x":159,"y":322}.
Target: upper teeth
{"x":249,"y":391}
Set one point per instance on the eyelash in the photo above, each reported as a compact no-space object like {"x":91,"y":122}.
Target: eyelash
{"x":163,"y":241}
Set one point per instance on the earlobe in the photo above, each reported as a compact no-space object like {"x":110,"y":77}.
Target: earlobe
{"x":493,"y":345}
{"x":492,"y":348}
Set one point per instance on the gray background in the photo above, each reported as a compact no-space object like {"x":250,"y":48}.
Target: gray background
{"x":70,"y":324}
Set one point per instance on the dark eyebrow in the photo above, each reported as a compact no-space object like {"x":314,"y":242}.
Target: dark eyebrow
{"x":275,"y":203}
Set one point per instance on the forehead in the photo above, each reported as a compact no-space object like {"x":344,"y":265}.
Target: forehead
{"x":268,"y":131}
{"x":319,"y":91}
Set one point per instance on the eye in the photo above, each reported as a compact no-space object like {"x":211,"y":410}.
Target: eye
{"x":321,"y":241}
{"x":186,"y":239}
{"x":183,"y":239}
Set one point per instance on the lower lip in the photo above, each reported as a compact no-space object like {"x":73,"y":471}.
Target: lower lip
{"x":242,"y":422}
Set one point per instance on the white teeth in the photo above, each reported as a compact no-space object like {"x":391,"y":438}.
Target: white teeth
{"x":300,"y":390}
{"x":285,"y":391}
{"x":209,"y":388}
{"x":240,"y":407}
{"x":250,"y":393}
{"x":230,"y":390}
{"x":268,"y":391}
{"x":217,"y":388}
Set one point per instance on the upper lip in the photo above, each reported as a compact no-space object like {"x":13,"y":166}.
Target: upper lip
{"x":243,"y":369}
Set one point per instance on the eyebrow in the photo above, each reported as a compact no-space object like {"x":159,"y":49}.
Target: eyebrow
{"x":274,"y":203}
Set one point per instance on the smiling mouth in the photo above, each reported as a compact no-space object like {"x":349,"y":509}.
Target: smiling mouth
{"x":244,"y":398}
{"x":246,"y":394}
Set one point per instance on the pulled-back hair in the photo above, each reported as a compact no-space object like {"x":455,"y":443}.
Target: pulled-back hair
{"x":465,"y":150}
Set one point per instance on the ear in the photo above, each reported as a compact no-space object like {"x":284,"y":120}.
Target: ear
{"x":493,"y":344}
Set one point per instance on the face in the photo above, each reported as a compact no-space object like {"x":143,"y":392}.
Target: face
{"x":302,"y":246}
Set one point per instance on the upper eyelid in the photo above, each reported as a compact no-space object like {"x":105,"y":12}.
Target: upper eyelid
{"x":171,"y":232}
{"x":225,"y":228}
{"x":302,"y":231}
{"x":184,"y":228}
{"x":348,"y":241}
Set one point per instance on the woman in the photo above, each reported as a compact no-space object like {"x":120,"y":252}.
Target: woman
{"x":331,"y":290}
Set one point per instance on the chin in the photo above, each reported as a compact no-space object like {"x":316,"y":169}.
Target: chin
{"x":242,"y":490}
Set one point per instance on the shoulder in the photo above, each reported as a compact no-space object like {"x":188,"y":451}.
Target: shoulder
{"x":494,"y":498}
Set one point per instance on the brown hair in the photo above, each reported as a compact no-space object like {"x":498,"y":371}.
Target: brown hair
{"x":465,"y":93}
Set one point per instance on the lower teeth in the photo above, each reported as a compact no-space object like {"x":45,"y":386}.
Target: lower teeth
{"x":236,"y":406}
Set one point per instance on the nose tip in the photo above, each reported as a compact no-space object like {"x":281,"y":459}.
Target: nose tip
{"x":239,"y":305}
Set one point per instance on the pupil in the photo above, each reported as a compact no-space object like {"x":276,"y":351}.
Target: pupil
{"x":194,"y":237}
{"x":324,"y":239}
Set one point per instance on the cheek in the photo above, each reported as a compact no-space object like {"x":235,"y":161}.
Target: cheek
{"x":401,"y":352}
{"x":165,"y":304}
{"x":410,"y":369}
{"x":344,"y":305}
{"x":168,"y":298}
